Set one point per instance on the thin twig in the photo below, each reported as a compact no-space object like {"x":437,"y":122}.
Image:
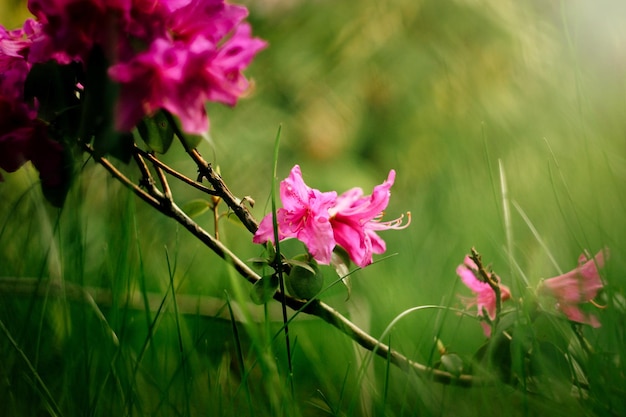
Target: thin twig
{"x":166,"y":186}
{"x":316,"y":308}
{"x":493,"y":281}
{"x":117,"y":174}
{"x":157,"y":163}
{"x":206,"y":171}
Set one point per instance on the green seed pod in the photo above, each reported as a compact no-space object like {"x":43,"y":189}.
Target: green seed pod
{"x":302,"y":282}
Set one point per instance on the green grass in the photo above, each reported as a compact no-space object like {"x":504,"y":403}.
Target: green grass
{"x":450,"y":95}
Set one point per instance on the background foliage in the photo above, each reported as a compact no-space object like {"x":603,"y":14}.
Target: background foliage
{"x":451,"y":95}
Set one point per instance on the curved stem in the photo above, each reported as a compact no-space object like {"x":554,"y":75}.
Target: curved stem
{"x":315,"y":307}
{"x":206,"y":170}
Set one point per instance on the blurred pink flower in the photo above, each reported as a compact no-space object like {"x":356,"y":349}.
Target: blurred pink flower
{"x":577,"y":287}
{"x":485,"y":299}
{"x":304,"y":216}
{"x":181,"y":76}
{"x":165,"y":54}
{"x":14,"y":48}
{"x":355,"y":219}
{"x":214,"y":19}
{"x":23,"y":138}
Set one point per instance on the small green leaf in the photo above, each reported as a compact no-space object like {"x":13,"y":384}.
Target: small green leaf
{"x":196,"y":207}
{"x":156,"y":132}
{"x":547,"y":358}
{"x":271,"y":250}
{"x":264,"y":289}
{"x":452,"y":363}
{"x":300,"y":263}
{"x":109,"y":142}
{"x":53,"y":86}
{"x":191,"y":140}
{"x":259,"y":262}
{"x":340,"y":260}
{"x":305,"y":280}
{"x":521,"y":346}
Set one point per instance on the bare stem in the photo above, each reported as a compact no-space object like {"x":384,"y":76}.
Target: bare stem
{"x":157,"y":163}
{"x":206,"y":171}
{"x":493,"y":281}
{"x":160,"y":201}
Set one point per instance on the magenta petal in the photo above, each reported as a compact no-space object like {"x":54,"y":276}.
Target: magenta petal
{"x":468,"y":275}
{"x":350,"y":236}
{"x":294,"y":193}
{"x":265,"y":232}
{"x":317,"y":235}
{"x":574,"y":313}
{"x":304,"y":215}
{"x":378,"y":245}
{"x":576,"y":287}
{"x":356,"y":218}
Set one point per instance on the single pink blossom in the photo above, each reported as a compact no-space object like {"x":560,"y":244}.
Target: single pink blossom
{"x":323,"y":220}
{"x":304,"y":216}
{"x":485,"y":299}
{"x":355,"y":219}
{"x":577,"y":287}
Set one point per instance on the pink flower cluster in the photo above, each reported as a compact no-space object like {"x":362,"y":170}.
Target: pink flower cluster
{"x":485,"y":299}
{"x":322,"y":220}
{"x":164,"y":54}
{"x":576,"y":287}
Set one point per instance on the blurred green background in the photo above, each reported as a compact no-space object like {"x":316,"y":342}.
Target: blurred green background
{"x":455,"y":96}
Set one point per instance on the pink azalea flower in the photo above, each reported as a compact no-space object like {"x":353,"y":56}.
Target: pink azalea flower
{"x":355,"y":219}
{"x":323,"y":220}
{"x":485,"y":299}
{"x":577,"y":287}
{"x":304,"y":216}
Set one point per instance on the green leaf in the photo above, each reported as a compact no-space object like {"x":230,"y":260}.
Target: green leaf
{"x":340,"y":260}
{"x":259,"y":262}
{"x":109,"y":142}
{"x":53,"y":86}
{"x":264,"y":289}
{"x":547,"y":358}
{"x":305,"y":280}
{"x":300,"y":263}
{"x":452,"y":363}
{"x":196,"y":207}
{"x":495,"y":355}
{"x":156,"y":132}
{"x":521,"y":345}
{"x":191,"y":140}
